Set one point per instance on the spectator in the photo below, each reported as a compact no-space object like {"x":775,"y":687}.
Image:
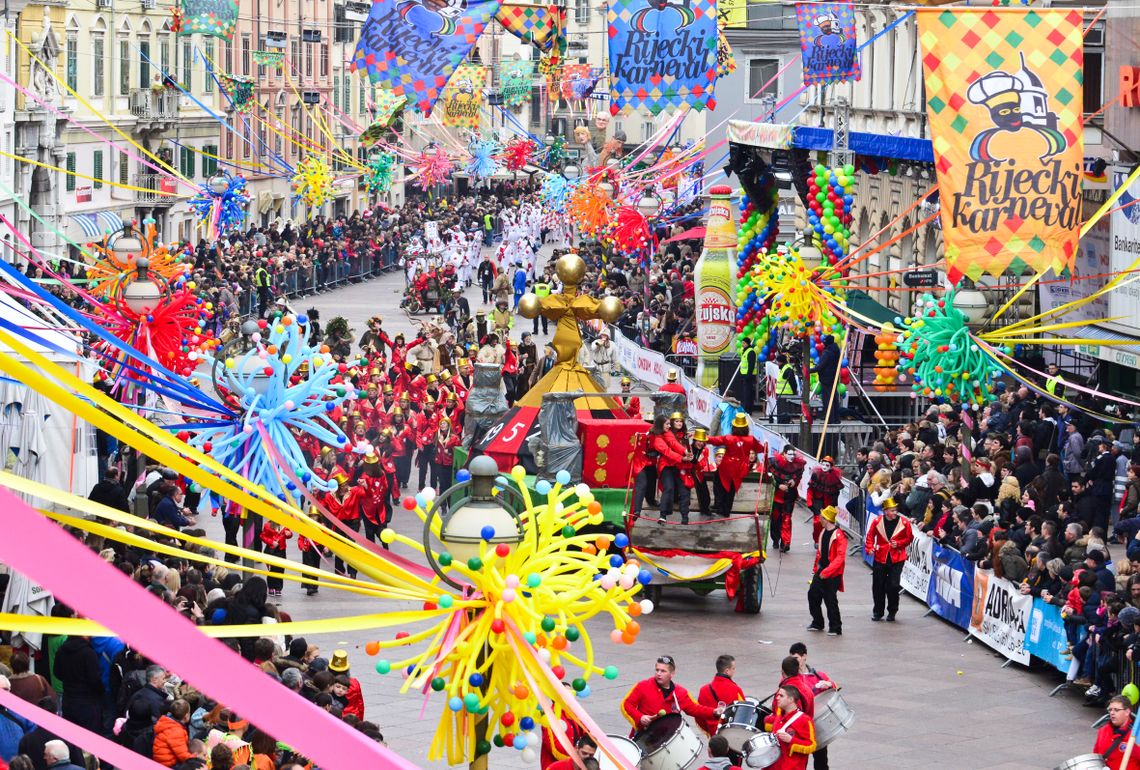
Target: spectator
{"x":58,"y":757}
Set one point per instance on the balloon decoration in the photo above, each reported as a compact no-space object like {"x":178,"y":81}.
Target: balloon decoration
{"x":886,"y":359}
{"x":111,"y":267}
{"x":432,"y":168}
{"x":313,"y":182}
{"x":527,"y":609}
{"x":518,"y":154}
{"x":483,"y":163}
{"x":380,"y":168}
{"x":555,"y":154}
{"x":800,"y":296}
{"x":280,"y":389}
{"x":630,"y":235}
{"x":941,"y":355}
{"x":221,"y":212}
{"x":555,"y":193}
{"x":590,"y":210}
{"x":759,"y":222}
{"x":830,"y":200}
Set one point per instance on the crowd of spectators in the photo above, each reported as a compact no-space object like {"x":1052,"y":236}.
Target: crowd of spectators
{"x":1047,"y":499}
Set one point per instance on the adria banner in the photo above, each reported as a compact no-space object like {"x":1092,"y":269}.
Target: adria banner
{"x":1001,"y":615}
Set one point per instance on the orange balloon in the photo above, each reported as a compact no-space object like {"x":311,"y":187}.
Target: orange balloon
{"x":521,"y":692}
{"x":634,"y":609}
{"x":627,"y":637}
{"x":372,"y":648}
{"x":602,"y":542}
{"x":594,"y":507}
{"x":558,"y":642}
{"x":540,"y":640}
{"x":589,"y":549}
{"x":633,"y":627}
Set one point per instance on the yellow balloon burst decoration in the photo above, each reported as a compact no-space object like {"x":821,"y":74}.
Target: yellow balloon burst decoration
{"x":313,"y":181}
{"x":110,"y":268}
{"x":802,"y":298}
{"x":518,"y":626}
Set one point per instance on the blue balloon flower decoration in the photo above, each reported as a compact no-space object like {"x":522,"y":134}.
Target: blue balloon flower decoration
{"x":223,"y":211}
{"x":483,"y":163}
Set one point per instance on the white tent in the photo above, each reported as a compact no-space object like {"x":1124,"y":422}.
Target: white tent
{"x":39,"y":439}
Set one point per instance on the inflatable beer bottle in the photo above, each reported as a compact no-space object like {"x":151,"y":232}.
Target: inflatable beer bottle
{"x":716,"y":311}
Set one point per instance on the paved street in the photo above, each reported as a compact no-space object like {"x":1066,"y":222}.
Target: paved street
{"x":923,"y":698}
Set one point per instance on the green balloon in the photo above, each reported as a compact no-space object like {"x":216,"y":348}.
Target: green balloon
{"x":1131,"y":692}
{"x":821,"y":196}
{"x":848,"y":169}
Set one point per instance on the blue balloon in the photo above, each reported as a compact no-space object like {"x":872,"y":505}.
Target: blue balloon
{"x":455,"y":703}
{"x":616,"y":560}
{"x":621,"y":540}
{"x":542,"y":487}
{"x":526,"y":723}
{"x":645,"y":577}
{"x":487,"y":532}
{"x":463,"y":475}
{"x":562,"y":477}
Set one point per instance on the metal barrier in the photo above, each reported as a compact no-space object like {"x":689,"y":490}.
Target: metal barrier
{"x":298,"y":282}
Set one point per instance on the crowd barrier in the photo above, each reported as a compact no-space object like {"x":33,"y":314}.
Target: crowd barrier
{"x":300,"y":282}
{"x":651,"y":367}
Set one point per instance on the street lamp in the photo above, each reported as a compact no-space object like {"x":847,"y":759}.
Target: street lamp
{"x":218,"y":184}
{"x":126,"y":246}
{"x":810,"y":256}
{"x":571,"y":172}
{"x":142,"y":295}
{"x":971,"y":303}
{"x":648,"y":206}
{"x":607,"y":189}
{"x":249,"y":371}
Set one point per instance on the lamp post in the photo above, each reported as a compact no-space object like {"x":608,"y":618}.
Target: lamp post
{"x":142,"y":295}
{"x":218,"y":184}
{"x":971,"y":303}
{"x":571,"y":172}
{"x":648,"y":207}
{"x":811,"y":257}
{"x":478,"y":516}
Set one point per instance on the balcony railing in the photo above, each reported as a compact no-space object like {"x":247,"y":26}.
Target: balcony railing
{"x":152,"y":105}
{"x":158,"y":190}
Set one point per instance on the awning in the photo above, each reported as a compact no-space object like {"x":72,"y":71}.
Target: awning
{"x":693,"y":233}
{"x":862,"y":304}
{"x":111,"y":221}
{"x":97,"y":224}
{"x":1120,"y":348}
{"x":778,"y":136}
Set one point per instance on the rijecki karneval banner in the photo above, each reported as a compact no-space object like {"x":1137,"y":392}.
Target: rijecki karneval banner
{"x":413,"y":47}
{"x":463,"y":98}
{"x":1004,"y":97}
{"x":663,"y":53}
{"x":828,"y":49}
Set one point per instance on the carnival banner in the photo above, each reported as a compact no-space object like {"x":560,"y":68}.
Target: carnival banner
{"x":951,"y":591}
{"x":1000,"y":616}
{"x":827,"y":42}
{"x":538,"y":25}
{"x":663,"y":53}
{"x":217,"y":18}
{"x":577,"y":82}
{"x":413,"y":48}
{"x":918,"y":568}
{"x":515,"y":83}
{"x":1004,"y":97}
{"x":1046,"y":638}
{"x":463,"y":97}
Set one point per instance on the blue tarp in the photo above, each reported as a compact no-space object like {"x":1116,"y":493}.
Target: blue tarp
{"x":876,"y":145}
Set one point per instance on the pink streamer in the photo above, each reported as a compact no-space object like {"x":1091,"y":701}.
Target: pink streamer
{"x":101,"y":593}
{"x":106,"y":750}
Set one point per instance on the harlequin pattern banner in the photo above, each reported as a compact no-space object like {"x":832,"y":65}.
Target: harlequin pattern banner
{"x":413,"y":49}
{"x":827,"y":42}
{"x":209,"y":17}
{"x":539,"y":25}
{"x":1004,"y":98}
{"x":514,"y":83}
{"x":463,"y":97}
{"x":662,"y":54}
{"x":577,"y":82}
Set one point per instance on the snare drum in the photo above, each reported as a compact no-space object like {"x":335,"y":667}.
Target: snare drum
{"x":742,"y":720}
{"x":625,"y":747}
{"x":761,"y":750}
{"x":1083,"y":762}
{"x":833,"y":717}
{"x":668,"y":743}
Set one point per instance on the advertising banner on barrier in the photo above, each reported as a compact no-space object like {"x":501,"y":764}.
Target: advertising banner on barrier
{"x":1046,"y":636}
{"x":951,"y":590}
{"x":1001,"y":615}
{"x":919,"y":568}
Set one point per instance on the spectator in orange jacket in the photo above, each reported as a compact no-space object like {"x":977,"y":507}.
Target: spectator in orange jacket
{"x":171,"y":738}
{"x":827,"y":574}
{"x":793,"y":728}
{"x":722,"y":689}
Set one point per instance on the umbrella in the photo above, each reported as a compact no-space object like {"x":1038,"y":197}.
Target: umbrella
{"x":692,"y":234}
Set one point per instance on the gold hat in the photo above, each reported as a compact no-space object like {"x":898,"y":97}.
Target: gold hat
{"x":452,"y":397}
{"x":388,"y":387}
{"x":429,"y":399}
{"x":326,"y":451}
{"x":371,"y":458}
{"x":700,"y":434}
{"x":431,"y":378}
{"x":445,"y":375}
{"x":463,"y":362}
{"x":676,"y":416}
{"x":829,"y":513}
{"x":672,"y":375}
{"x":374,"y":371}
{"x":740,"y":420}
{"x":341,"y":478}
{"x":445,"y":419}
{"x":387,"y":433}
{"x":890,"y":504}
{"x":339,"y":662}
{"x":397,"y":411}
{"x":626,"y":381}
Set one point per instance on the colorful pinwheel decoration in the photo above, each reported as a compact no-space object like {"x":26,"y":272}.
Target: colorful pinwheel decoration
{"x":590,"y":210}
{"x":518,"y":154}
{"x":555,"y":193}
{"x":432,"y":167}
{"x":313,"y":182}
{"x":555,"y":154}
{"x":113,"y":267}
{"x":380,"y":168}
{"x":483,"y":164}
{"x":221,"y":204}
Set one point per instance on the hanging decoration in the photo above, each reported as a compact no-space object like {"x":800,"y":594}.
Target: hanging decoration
{"x":886,"y":359}
{"x":555,"y":154}
{"x":518,"y":154}
{"x":515,"y":83}
{"x":386,"y":107}
{"x":413,"y":49}
{"x":528,"y":601}
{"x":381,"y":166}
{"x":577,"y":82}
{"x":175,"y":19}
{"x":216,"y":18}
{"x":239,"y":90}
{"x":110,"y":268}
{"x":725,"y":59}
{"x":555,"y":193}
{"x":830,"y":200}
{"x":537,"y":25}
{"x":463,"y":98}
{"x":483,"y":163}
{"x":630,"y":235}
{"x":1005,"y":102}
{"x":432,"y":168}
{"x":662,"y":54}
{"x":223,"y":211}
{"x":269,"y":59}
{"x":313,"y":182}
{"x":590,"y":210}
{"x":942,"y":357}
{"x":759,"y":223}
{"x":280,"y":389}
{"x":828,"y":49}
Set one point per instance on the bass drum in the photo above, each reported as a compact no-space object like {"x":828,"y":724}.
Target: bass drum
{"x":833,"y":717}
{"x":1083,"y":762}
{"x":668,"y":743}
{"x":761,"y":751}
{"x":627,"y":748}
{"x":742,"y":721}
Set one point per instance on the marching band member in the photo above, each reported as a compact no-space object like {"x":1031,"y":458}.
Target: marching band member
{"x":425,"y":426}
{"x":344,"y":503}
{"x":827,"y":574}
{"x":722,"y":689}
{"x":660,"y":695}
{"x":819,"y":682}
{"x":443,"y":458}
{"x":887,"y":539}
{"x":793,"y":729}
{"x":373,"y":483}
{"x":403,"y":442}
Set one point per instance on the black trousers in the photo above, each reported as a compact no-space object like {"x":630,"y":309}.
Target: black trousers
{"x":824,"y":592}
{"x":311,"y":558}
{"x":644,"y":487}
{"x":669,"y":481}
{"x":354,"y":525}
{"x":440,"y":476}
{"x":702,"y":488}
{"x":231,"y":525}
{"x":423,"y":461}
{"x":819,"y":759}
{"x":403,"y":468}
{"x":724,"y":500}
{"x":682,"y":499}
{"x":275,"y":583}
{"x":885,"y":587}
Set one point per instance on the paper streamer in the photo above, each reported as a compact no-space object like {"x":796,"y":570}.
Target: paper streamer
{"x":96,"y":590}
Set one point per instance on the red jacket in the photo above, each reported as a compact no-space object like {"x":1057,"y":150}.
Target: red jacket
{"x":824,"y":487}
{"x":892,"y":550}
{"x":647,"y":699}
{"x":355,"y":699}
{"x":551,"y":753}
{"x":793,"y":755}
{"x":275,"y":538}
{"x":720,"y":690}
{"x":373,"y":491}
{"x":1104,"y":739}
{"x":347,"y":509}
{"x":836,"y":557}
{"x":632,"y":406}
{"x":787,"y":473}
{"x":807,"y":692}
{"x":736,"y":464}
{"x":445,"y":448}
{"x":425,"y":427}
{"x":668,"y":448}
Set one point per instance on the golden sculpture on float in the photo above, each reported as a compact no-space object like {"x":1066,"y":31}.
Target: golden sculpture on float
{"x":566,"y":310}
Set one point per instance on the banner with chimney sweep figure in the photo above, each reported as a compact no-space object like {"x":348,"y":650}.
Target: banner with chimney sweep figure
{"x":827,"y":42}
